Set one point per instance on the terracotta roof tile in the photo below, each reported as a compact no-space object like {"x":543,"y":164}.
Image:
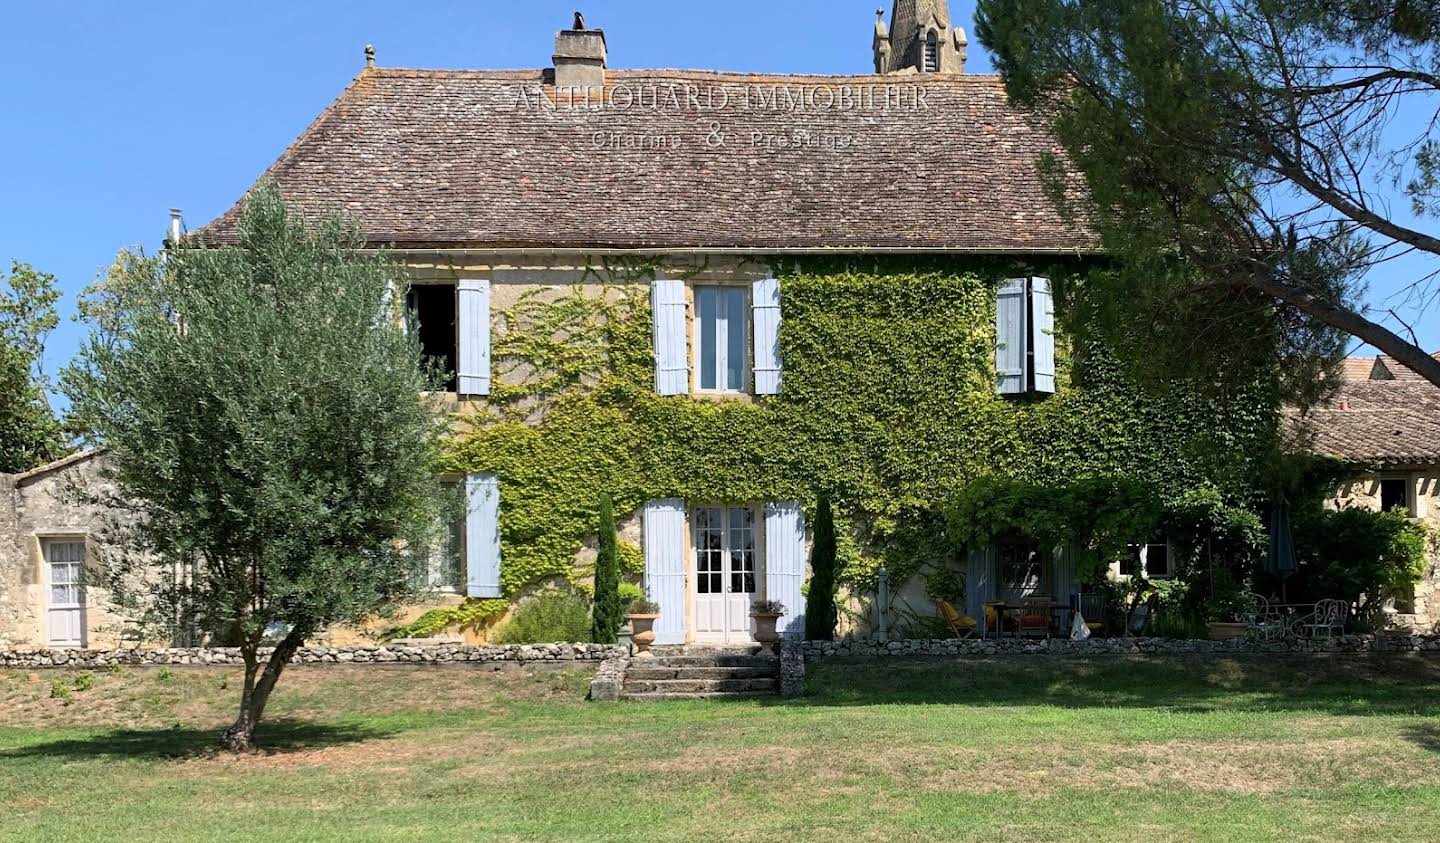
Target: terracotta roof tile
{"x":453,"y":158}
{"x":1386,"y":421}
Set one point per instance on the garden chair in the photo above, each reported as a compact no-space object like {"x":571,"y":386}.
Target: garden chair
{"x":961,"y":626}
{"x":1327,"y":621}
{"x":1266,"y":624}
{"x":1035,"y":617}
{"x":1092,"y":608}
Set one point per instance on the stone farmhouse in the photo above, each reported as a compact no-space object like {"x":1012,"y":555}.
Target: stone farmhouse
{"x":774,"y":284}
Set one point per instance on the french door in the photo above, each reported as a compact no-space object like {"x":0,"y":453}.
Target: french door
{"x":65,"y":593}
{"x":727,"y":573}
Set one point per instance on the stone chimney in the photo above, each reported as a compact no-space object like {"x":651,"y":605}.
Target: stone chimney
{"x":580,"y":57}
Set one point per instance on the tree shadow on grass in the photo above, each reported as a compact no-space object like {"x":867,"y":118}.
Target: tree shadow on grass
{"x":275,"y":736}
{"x":1426,"y":737}
{"x":1340,"y":686}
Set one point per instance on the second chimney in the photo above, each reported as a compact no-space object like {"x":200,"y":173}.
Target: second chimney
{"x":580,"y":59}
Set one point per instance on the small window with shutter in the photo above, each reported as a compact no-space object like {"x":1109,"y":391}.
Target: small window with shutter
{"x":1025,"y":337}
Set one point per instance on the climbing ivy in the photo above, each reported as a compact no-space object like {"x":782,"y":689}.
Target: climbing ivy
{"x":888,"y":404}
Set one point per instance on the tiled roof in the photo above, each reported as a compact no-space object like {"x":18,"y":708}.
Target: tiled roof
{"x":436,"y":159}
{"x":1386,"y":421}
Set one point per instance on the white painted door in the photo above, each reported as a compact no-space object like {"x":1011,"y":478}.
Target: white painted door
{"x":65,"y":593}
{"x":727,"y":573}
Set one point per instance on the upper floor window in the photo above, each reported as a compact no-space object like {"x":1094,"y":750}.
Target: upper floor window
{"x":932,"y":53}
{"x":430,"y":311}
{"x":721,"y":338}
{"x":1394,"y":493}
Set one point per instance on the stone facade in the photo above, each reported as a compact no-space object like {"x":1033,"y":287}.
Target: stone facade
{"x":444,"y":654}
{"x":41,"y":505}
{"x":1420,"y":611}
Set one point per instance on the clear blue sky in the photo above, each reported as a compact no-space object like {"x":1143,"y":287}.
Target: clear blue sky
{"x":114,"y":112}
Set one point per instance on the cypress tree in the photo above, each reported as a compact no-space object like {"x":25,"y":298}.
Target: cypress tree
{"x":820,"y":601}
{"x":606,"y":616}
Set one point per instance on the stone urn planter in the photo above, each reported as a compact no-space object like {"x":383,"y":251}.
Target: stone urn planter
{"x":1227,"y":631}
{"x":765,"y":613}
{"x":642,"y":623}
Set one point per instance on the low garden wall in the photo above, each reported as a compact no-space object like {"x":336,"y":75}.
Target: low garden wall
{"x":436,"y":654}
{"x":812,"y":650}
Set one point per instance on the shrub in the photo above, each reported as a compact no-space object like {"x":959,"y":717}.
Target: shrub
{"x":555,"y":614}
{"x":820,"y":600}
{"x":630,"y":594}
{"x":84,"y":681}
{"x":644,"y":606}
{"x":606,"y":617}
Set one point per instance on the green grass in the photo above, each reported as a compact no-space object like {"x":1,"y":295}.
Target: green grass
{"x":1021,"y":749}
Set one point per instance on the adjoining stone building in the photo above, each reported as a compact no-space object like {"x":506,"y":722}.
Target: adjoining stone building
{"x":1385,"y":419}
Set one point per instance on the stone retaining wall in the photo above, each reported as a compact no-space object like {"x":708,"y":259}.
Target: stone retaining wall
{"x":443,"y":654}
{"x":812,"y":650}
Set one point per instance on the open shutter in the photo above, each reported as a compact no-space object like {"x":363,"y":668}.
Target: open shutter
{"x":979,"y":581}
{"x":1042,"y":333}
{"x":482,"y":535}
{"x":664,"y":540}
{"x":473,"y":316}
{"x":785,"y":564}
{"x":1010,"y":337}
{"x":667,"y":306}
{"x":765,"y":307}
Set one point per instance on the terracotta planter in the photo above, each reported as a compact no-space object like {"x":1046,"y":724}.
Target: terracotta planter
{"x":765,"y":633}
{"x":644,"y":635}
{"x":1226,"y":631}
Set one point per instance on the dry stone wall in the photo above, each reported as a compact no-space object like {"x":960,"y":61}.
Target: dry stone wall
{"x":444,"y":654}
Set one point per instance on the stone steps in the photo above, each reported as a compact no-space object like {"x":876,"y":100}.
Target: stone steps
{"x":697,"y":686}
{"x":692,"y":674}
{"x":647,"y":672}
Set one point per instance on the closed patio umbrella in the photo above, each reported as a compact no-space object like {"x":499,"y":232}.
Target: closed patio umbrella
{"x":1280,"y":561}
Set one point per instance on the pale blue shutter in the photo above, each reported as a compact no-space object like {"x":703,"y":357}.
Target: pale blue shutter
{"x":663,"y":524}
{"x":473,"y":324}
{"x":979,"y":581}
{"x":1042,"y":333}
{"x":765,"y":305}
{"x":1010,"y":337}
{"x":785,"y":564}
{"x":667,"y":306}
{"x":482,"y":535}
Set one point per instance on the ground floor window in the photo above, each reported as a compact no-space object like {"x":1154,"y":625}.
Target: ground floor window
{"x":1022,"y":570}
{"x":65,"y":591}
{"x":1394,"y":493}
{"x":440,"y":565}
{"x":1150,"y":560}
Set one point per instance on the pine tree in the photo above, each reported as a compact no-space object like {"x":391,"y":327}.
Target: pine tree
{"x":606,"y":616}
{"x":820,"y":601}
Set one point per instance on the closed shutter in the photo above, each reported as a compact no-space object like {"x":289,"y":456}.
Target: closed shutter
{"x":765,"y":305}
{"x":664,"y":539}
{"x":667,"y":306}
{"x":1064,"y":581}
{"x":473,"y":316}
{"x":482,"y":535}
{"x":1042,"y":333}
{"x":979,"y":581}
{"x":1010,"y":337}
{"x":785,"y":564}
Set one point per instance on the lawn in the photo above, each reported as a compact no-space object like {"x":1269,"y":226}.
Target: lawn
{"x":1021,"y":749}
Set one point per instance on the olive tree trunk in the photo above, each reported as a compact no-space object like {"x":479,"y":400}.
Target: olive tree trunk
{"x":240,"y":736}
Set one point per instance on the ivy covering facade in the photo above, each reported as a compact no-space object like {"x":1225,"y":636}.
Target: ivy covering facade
{"x":888,"y":404}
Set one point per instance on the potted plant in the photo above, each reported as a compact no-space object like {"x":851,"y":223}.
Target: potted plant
{"x":642,"y":617}
{"x":766,"y":613}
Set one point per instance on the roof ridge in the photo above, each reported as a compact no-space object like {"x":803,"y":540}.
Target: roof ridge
{"x":520,"y":73}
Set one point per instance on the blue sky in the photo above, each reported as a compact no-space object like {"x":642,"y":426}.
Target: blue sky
{"x":114,"y":112}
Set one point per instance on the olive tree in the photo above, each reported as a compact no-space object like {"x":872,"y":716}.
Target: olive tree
{"x":271,"y":454}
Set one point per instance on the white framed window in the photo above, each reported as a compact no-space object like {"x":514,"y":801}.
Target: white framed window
{"x":722,"y":338}
{"x":64,"y":560}
{"x":1151,"y":560}
{"x":440,"y":565}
